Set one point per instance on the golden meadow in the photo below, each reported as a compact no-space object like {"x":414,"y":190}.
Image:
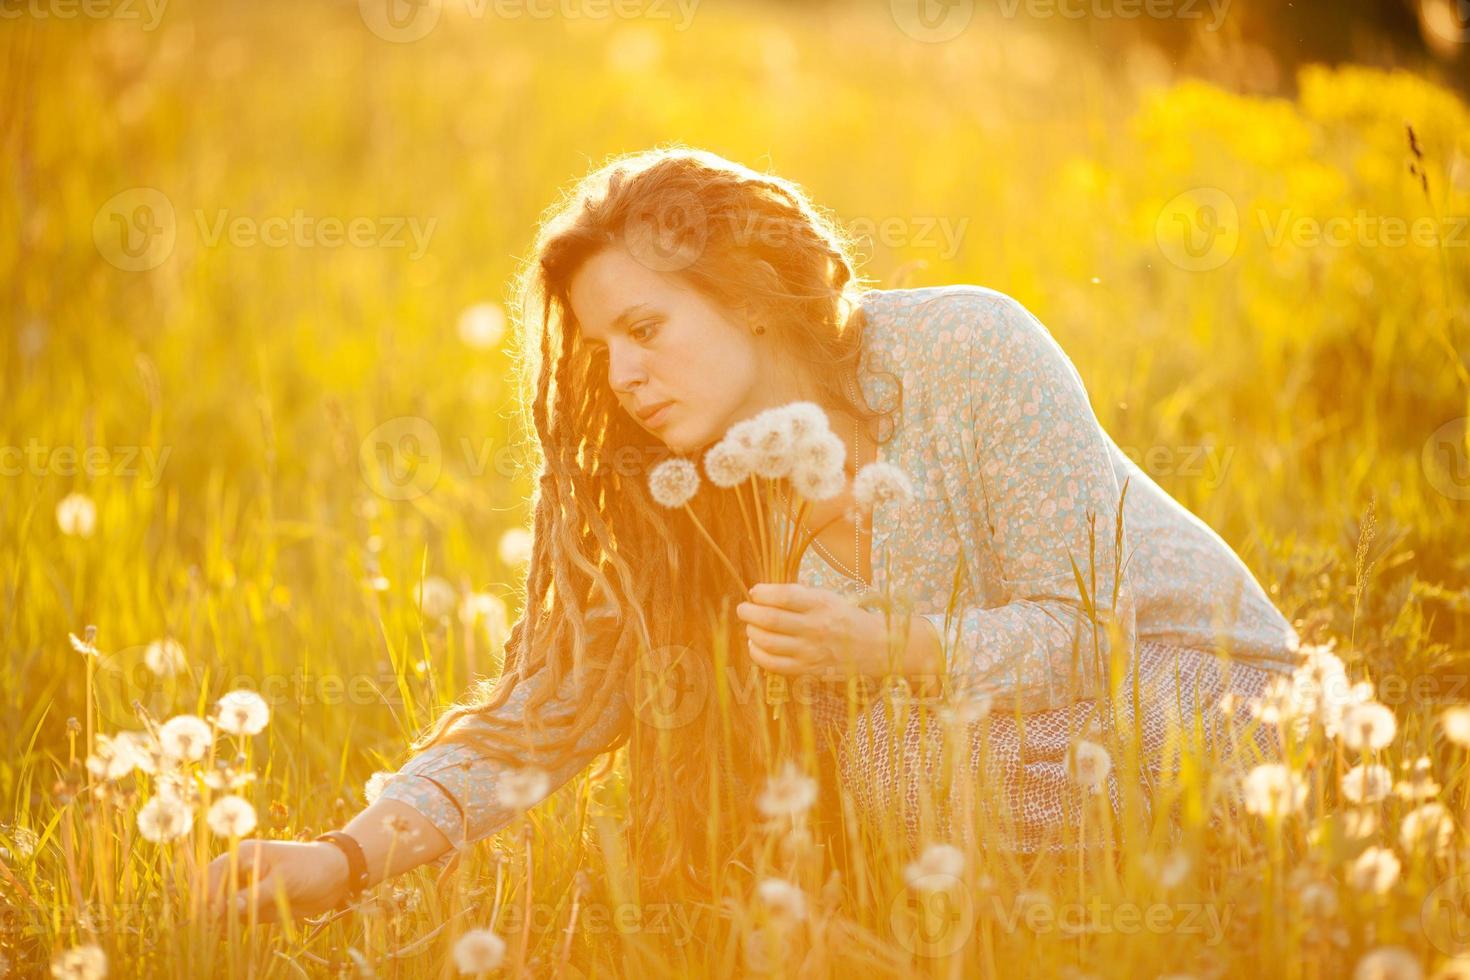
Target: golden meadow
{"x":249,"y":246}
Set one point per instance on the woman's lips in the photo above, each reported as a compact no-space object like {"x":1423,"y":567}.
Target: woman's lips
{"x":656,"y":419}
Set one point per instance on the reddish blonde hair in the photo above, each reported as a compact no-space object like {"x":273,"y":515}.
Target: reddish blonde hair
{"x":615,"y":581}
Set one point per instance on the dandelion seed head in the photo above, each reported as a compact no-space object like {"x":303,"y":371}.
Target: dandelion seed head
{"x":165,"y":657}
{"x":76,"y":515}
{"x":482,"y":325}
{"x":938,"y":863}
{"x":1388,"y":963}
{"x":1274,"y":789}
{"x":727,"y":464}
{"x":521,"y":789}
{"x":806,"y":421}
{"x":165,"y":817}
{"x":231,"y":816}
{"x":784,"y":899}
{"x":879,"y":483}
{"x":227,"y":777}
{"x":1366,"y":783}
{"x":375,"y":785}
{"x":515,"y":546}
{"x":1089,"y":765}
{"x":478,"y":951}
{"x":86,"y":643}
{"x":87,"y":962}
{"x":1455,"y":721}
{"x":1426,"y":829}
{"x":815,"y":484}
{"x":673,"y":482}
{"x":1368,"y":727}
{"x":112,"y":757}
{"x":1374,"y":871}
{"x":242,"y":712}
{"x":436,"y":597}
{"x":789,"y":793}
{"x":185,"y":737}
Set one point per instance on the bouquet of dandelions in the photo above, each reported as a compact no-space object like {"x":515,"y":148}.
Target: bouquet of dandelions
{"x":792,"y":443}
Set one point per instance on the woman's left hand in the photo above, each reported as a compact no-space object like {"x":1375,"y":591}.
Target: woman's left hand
{"x":801,"y":629}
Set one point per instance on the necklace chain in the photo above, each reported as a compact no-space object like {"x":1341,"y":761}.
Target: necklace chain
{"x":857,"y":524}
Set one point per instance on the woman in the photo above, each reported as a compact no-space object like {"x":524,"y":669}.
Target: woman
{"x":675,"y":293}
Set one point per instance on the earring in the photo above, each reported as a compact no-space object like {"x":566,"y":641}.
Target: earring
{"x":759,"y":328}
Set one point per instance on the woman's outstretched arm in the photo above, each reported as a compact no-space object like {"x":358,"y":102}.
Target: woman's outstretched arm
{"x":445,"y":797}
{"x":459,"y":790}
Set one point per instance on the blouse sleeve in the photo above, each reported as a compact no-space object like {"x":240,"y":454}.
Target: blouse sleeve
{"x":1038,"y":463}
{"x":456,"y":788}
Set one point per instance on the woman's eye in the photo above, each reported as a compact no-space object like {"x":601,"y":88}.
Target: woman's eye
{"x":642,"y":326}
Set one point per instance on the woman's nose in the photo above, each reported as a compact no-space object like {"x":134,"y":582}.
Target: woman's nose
{"x":624,"y":371}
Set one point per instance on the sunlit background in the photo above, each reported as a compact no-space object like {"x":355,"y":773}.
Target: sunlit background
{"x":253,"y":252}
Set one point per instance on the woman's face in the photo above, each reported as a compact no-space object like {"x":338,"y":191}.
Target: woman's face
{"x":667,"y":343}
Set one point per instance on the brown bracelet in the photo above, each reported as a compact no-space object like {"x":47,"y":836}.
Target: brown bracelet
{"x":357,"y":873}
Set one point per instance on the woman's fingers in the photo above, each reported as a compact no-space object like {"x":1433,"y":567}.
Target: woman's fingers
{"x":769,"y":617}
{"x":776,"y":664}
{"x":788,"y":595}
{"x":232,"y":881}
{"x":776,"y":644}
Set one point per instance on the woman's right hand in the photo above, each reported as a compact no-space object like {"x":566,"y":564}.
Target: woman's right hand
{"x":312,"y":878}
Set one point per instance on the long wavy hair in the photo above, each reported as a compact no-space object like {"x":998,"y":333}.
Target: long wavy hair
{"x":615,"y":581}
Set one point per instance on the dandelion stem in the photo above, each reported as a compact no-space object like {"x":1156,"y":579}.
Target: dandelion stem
{"x":718,"y":550}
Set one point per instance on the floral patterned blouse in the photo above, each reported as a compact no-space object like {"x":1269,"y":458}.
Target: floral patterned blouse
{"x":1011,"y":470}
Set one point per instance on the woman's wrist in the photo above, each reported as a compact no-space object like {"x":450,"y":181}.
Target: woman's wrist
{"x":394,"y":838}
{"x":336,"y":862}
